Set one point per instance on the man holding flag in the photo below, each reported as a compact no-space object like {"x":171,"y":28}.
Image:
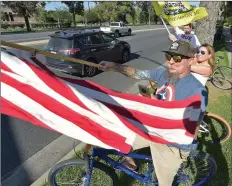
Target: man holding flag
{"x":186,"y":35}
{"x":176,"y":83}
{"x":178,"y":13}
{"x":96,"y":115}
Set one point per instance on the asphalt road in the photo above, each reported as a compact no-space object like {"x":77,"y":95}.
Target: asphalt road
{"x":33,"y":36}
{"x":21,"y":140}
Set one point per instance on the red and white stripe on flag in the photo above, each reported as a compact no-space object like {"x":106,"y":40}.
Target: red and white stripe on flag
{"x":89,"y":112}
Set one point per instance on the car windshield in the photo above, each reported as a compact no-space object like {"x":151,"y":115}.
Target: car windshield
{"x":56,"y":42}
{"x":114,"y":24}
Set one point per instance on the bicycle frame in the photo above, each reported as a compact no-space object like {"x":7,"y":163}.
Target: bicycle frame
{"x":103,"y":155}
{"x":204,"y":127}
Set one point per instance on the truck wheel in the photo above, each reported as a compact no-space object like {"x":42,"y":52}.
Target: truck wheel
{"x":129,"y":32}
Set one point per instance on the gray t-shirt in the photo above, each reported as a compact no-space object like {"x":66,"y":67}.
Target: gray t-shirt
{"x":183,"y":88}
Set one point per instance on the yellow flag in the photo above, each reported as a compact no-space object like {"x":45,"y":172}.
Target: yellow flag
{"x":178,"y":13}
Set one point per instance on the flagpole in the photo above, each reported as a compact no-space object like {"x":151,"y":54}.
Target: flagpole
{"x":164,"y":24}
{"x":58,"y":56}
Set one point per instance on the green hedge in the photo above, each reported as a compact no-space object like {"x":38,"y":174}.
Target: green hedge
{"x":18,"y":25}
{"x":36,"y":25}
{"x":50,"y":25}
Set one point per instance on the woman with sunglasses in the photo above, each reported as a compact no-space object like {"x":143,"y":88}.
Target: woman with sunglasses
{"x":203,"y":65}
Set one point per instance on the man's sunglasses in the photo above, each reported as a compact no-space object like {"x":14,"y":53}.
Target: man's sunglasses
{"x":177,"y":59}
{"x":201,"y":51}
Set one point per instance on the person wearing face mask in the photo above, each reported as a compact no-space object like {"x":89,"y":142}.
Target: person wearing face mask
{"x":185,"y":35}
{"x":203,"y":64}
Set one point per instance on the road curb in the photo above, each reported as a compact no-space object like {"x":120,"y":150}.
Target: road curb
{"x":31,"y":43}
{"x":47,"y":157}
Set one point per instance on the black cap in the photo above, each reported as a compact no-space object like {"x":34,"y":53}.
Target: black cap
{"x":182,"y":48}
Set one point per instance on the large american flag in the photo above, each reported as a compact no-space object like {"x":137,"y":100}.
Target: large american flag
{"x":88,"y":111}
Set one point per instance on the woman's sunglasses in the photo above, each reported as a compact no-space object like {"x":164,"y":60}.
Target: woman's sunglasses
{"x":177,"y":59}
{"x":201,"y":52}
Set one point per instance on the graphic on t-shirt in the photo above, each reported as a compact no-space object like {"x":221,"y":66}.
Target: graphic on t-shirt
{"x":186,"y":37}
{"x":166,"y":92}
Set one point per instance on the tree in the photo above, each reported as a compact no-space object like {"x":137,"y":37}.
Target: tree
{"x":41,"y":15}
{"x":110,"y":13}
{"x":2,"y":16}
{"x":228,"y":13}
{"x":25,"y":9}
{"x":75,"y":7}
{"x":228,"y":9}
{"x":206,"y":28}
{"x":50,"y":16}
{"x":124,"y":9}
{"x":91,"y":16}
{"x":147,"y":10}
{"x":62,"y":15}
{"x":100,"y":10}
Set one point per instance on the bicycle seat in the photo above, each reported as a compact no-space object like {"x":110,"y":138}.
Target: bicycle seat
{"x":221,"y":57}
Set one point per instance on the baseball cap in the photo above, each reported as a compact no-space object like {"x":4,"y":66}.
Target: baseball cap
{"x":182,"y":48}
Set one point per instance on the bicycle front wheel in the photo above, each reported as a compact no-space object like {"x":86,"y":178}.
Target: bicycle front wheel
{"x":214,"y":128}
{"x":72,"y":172}
{"x":222,"y":78}
{"x":196,"y":171}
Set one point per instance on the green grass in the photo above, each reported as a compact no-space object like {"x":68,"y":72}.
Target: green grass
{"x":220,"y":49}
{"x":225,"y":61}
{"x":220,"y":103}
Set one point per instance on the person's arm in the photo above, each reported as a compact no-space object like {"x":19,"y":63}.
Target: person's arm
{"x":198,"y":44}
{"x":125,"y":70}
{"x":204,"y":70}
{"x":172,"y":37}
{"x":132,"y":72}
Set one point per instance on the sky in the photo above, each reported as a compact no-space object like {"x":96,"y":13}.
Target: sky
{"x":55,"y":4}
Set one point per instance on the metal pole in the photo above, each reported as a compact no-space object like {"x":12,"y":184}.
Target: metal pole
{"x":164,"y":24}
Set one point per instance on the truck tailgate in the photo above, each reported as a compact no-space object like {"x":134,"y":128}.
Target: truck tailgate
{"x":105,"y":29}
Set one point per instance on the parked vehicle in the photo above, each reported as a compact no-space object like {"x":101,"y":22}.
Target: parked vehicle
{"x":117,"y":28}
{"x":89,"y":45}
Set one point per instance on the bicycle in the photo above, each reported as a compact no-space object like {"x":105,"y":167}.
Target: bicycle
{"x":197,"y":170}
{"x":221,"y":76}
{"x":214,"y":128}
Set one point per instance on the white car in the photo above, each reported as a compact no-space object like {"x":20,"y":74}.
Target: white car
{"x":117,"y":28}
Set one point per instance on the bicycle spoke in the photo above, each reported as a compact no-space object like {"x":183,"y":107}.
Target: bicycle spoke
{"x":197,"y":169}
